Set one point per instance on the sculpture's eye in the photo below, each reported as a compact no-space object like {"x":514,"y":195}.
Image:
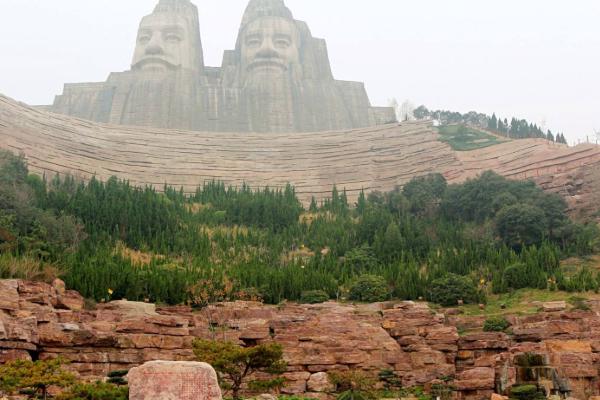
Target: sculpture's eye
{"x":173,"y":38}
{"x":143,"y":39}
{"x":253,"y":41}
{"x":282,"y":43}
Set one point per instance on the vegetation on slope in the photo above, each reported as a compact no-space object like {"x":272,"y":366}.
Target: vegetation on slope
{"x":515,"y":128}
{"x":463,"y":138}
{"x":112,"y":240}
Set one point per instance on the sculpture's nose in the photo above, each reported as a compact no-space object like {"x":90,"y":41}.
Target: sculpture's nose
{"x":155,"y":47}
{"x":267,"y":52}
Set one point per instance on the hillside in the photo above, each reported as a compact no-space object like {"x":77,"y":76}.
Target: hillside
{"x":377,"y":158}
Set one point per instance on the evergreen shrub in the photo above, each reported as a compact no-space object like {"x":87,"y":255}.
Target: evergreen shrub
{"x":449,"y":290}
{"x":370,"y":289}
{"x":496,"y":324}
{"x":314,"y":297}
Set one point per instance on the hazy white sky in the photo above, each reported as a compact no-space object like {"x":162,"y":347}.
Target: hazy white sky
{"x":534,"y":59}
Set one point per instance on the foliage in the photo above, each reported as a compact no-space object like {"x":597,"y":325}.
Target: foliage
{"x":34,"y":375}
{"x":284,"y":397}
{"x":451,"y":289}
{"x":238,"y":364}
{"x":25,"y":228}
{"x":463,"y":138}
{"x":223,"y":243}
{"x":369,"y":288}
{"x":95,"y":391}
{"x":353,"y":385}
{"x":579,"y":303}
{"x":28,"y":268}
{"x":526,"y":392}
{"x":521,"y":225}
{"x":425,"y":193}
{"x":391,"y":381}
{"x":515,"y":129}
{"x":314,"y":297}
{"x":443,"y":391}
{"x":496,"y":324}
{"x":117,"y":377}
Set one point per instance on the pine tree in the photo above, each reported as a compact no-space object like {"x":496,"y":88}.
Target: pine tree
{"x":313,"y":205}
{"x":493,"y":123}
{"x":361,"y":205}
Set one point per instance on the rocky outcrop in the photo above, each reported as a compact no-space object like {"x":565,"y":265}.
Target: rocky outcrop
{"x":421,"y":346}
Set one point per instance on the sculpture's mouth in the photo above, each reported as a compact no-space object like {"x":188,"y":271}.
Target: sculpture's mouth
{"x":274,"y":64}
{"x":154,"y":64}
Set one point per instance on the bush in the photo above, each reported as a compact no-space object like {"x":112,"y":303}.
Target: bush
{"x":95,"y":391}
{"x":237,"y":365}
{"x":370,"y":289}
{"x":496,"y":324}
{"x":527,"y":392}
{"x":34,"y":376}
{"x":449,"y":290}
{"x":390,"y":380}
{"x":353,"y":385}
{"x":579,"y":303}
{"x":513,"y":277}
{"x":314,"y":297}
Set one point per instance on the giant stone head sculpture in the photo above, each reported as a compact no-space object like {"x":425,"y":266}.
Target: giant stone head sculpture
{"x":269,"y":40}
{"x":169,"y":39}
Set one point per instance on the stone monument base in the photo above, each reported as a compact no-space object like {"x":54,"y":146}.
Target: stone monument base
{"x":170,"y":380}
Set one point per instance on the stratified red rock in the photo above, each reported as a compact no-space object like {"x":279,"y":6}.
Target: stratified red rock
{"x":421,"y":346}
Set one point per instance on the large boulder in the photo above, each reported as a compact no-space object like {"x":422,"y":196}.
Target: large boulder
{"x":169,"y":380}
{"x":320,"y":382}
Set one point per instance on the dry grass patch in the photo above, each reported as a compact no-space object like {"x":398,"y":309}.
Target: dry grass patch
{"x":28,"y":268}
{"x":137,"y":257}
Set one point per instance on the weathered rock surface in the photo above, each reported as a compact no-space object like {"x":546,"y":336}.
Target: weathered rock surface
{"x":421,"y":346}
{"x":378,"y":158}
{"x":168,"y":380}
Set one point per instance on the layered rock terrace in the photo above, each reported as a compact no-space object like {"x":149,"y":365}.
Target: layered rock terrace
{"x":377,"y":158}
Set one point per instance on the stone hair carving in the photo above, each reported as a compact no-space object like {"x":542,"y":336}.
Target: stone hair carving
{"x":277,"y":79}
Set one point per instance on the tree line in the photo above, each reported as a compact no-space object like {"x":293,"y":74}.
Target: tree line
{"x":113,"y":240}
{"x":515,"y":128}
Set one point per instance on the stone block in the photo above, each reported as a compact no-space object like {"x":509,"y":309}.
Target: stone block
{"x":167,"y":380}
{"x":569,"y":346}
{"x":554,"y":306}
{"x":480,"y":378}
{"x":319,"y":382}
{"x":129,"y":308}
{"x":59,"y":286}
{"x":70,"y":300}
{"x":295,"y":382}
{"x":37,"y":293}
{"x":13,"y":355}
{"x":9,"y":296}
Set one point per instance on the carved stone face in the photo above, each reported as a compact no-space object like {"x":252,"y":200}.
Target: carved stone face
{"x":164,"y":43}
{"x":270,"y":44}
